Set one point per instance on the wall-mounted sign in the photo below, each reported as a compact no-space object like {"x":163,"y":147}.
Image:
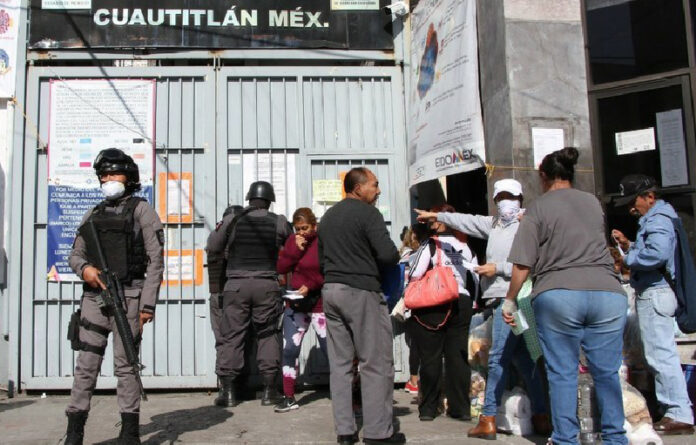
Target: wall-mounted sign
{"x":183,"y":267}
{"x":86,"y":116}
{"x":545,"y":141}
{"x":354,"y":5}
{"x":66,"y":4}
{"x":445,"y":122}
{"x":629,"y":142}
{"x":327,"y":190}
{"x":670,"y":134}
{"x":175,"y":197}
{"x":356,"y":24}
{"x":9,"y":30}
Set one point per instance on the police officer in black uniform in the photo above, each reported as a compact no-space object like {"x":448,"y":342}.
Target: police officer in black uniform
{"x":216,"y":282}
{"x":250,"y":242}
{"x":132,"y":239}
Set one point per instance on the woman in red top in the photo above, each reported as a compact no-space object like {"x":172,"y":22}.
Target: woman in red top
{"x":300,"y":256}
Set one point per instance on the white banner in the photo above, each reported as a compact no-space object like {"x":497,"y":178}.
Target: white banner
{"x":445,"y":122}
{"x":9,"y":30}
{"x":85,"y":117}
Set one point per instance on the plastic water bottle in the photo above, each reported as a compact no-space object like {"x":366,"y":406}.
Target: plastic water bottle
{"x":587,"y":411}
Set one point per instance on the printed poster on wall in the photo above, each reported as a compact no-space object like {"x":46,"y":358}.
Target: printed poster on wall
{"x":670,"y":135}
{"x":9,"y":30}
{"x":445,"y":122}
{"x":85,"y":117}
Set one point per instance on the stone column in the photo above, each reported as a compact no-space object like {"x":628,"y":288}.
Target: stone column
{"x":532,"y":71}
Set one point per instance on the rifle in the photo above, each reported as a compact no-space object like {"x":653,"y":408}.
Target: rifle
{"x":113,"y":299}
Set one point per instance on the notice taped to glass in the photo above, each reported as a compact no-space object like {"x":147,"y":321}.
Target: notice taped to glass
{"x":445,"y":122}
{"x":340,"y":24}
{"x":85,"y":117}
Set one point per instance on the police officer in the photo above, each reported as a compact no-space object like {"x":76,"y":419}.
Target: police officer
{"x":132,"y":236}
{"x":216,"y":282}
{"x":250,"y":242}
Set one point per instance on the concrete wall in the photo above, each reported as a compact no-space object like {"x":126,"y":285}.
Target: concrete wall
{"x":6,"y":132}
{"x":532,"y":69}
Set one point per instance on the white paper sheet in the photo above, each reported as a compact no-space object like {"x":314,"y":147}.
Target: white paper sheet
{"x":670,"y":135}
{"x":629,"y":142}
{"x":546,"y":141}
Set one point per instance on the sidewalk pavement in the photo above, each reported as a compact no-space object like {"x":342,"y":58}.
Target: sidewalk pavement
{"x":191,"y":418}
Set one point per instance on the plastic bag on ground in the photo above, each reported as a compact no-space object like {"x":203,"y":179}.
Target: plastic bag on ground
{"x":515,"y":413}
{"x":635,"y":406}
{"x":643,"y":435}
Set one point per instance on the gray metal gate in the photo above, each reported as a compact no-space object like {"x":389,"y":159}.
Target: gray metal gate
{"x":221,"y":129}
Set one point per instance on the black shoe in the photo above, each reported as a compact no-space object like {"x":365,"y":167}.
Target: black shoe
{"x":463,"y":417}
{"x":395,"y":438}
{"x":76,"y":428}
{"x":226,"y":397}
{"x":347,"y":439}
{"x":130,"y":429}
{"x":270,"y":396}
{"x":285,"y":405}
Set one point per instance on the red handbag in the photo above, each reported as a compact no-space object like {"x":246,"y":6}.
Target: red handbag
{"x":438,"y":285}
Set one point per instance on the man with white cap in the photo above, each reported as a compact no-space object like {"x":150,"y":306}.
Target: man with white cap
{"x":495,"y":275}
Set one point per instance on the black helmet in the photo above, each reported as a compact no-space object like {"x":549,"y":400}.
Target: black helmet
{"x":114,"y":160}
{"x":261,"y":190}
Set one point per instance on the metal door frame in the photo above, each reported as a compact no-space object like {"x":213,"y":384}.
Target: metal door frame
{"x":24,"y":184}
{"x":24,"y":244}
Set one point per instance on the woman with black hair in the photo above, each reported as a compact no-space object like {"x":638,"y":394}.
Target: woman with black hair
{"x":577,"y":297}
{"x":443,"y":331}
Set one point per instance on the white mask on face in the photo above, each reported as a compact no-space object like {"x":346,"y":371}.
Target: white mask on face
{"x":113,"y":189}
{"x":508,"y":209}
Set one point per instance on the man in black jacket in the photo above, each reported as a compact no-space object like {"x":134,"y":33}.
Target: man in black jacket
{"x":353,"y":244}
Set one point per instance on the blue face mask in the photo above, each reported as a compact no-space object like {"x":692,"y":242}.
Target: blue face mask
{"x":508,"y":209}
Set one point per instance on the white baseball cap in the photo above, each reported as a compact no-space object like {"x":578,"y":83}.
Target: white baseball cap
{"x":507,"y":185}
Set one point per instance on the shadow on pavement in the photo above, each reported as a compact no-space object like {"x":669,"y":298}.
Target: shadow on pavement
{"x":14,"y":405}
{"x":169,"y":426}
{"x":313,"y":397}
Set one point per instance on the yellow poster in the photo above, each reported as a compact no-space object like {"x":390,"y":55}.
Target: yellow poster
{"x":327,"y":190}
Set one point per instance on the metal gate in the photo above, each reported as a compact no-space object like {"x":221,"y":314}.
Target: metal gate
{"x":221,"y":129}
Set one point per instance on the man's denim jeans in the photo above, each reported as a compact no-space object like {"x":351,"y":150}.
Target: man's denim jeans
{"x":507,"y":348}
{"x":567,"y":320}
{"x":655,"y":307}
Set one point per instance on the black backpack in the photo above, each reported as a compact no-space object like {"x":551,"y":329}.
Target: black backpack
{"x":684,"y":282}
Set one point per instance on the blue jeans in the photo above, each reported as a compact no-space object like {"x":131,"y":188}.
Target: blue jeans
{"x":655,"y":307}
{"x":567,"y":320}
{"x":508,"y":347}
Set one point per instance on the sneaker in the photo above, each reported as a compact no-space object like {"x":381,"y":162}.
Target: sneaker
{"x":411,"y":389}
{"x":287,"y":404}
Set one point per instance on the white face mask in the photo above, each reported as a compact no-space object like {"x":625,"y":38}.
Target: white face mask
{"x":508,"y":209}
{"x":113,"y":189}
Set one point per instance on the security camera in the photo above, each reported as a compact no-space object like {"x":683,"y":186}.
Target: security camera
{"x":399,"y":9}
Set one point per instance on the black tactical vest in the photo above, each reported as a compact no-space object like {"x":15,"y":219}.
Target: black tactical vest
{"x":123,"y":247}
{"x":252,"y":244}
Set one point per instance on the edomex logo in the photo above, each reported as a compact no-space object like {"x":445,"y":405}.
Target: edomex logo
{"x":457,"y":156}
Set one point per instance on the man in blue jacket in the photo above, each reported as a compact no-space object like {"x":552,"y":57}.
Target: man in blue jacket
{"x":649,"y":257}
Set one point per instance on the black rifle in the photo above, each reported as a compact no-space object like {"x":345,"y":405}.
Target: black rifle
{"x":114,"y":299}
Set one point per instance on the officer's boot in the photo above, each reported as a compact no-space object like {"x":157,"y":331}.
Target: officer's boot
{"x":130,"y":429}
{"x":270,"y":394}
{"x":227,"y":396}
{"x":76,"y":428}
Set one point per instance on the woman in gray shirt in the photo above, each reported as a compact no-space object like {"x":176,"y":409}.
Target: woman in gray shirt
{"x":577,"y":298}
